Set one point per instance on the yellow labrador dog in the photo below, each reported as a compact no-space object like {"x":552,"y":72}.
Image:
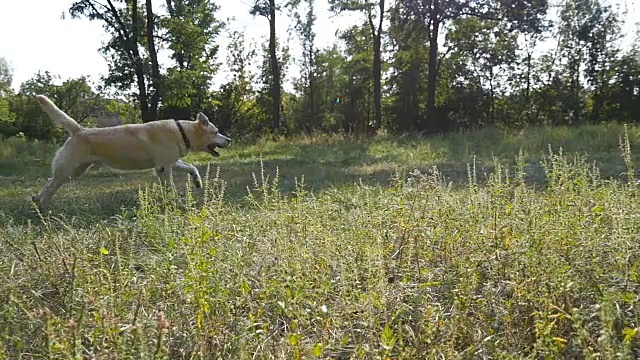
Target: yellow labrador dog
{"x":157,"y":144}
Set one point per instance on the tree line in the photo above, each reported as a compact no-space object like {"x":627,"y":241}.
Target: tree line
{"x":427,"y":66}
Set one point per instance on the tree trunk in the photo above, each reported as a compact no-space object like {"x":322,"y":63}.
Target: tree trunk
{"x":275,"y":68}
{"x":492,"y":98}
{"x":137,"y":62}
{"x":377,"y":82}
{"x":432,"y":77}
{"x":577,"y":118}
{"x":377,"y":66}
{"x":155,"y":68}
{"x":527,"y":93}
{"x":312,"y":82}
{"x":597,"y":106}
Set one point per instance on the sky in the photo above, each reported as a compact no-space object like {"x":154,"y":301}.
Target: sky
{"x":35,"y":37}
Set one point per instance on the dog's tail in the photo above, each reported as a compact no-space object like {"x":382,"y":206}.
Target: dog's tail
{"x":58,"y":115}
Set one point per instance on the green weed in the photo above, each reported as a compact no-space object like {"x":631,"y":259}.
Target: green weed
{"x":528,"y":251}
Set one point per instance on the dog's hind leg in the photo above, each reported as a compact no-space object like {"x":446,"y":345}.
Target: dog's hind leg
{"x":62,"y":171}
{"x":189,"y":169}
{"x":50,"y":188}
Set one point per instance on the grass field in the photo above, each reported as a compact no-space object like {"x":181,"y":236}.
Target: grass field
{"x":479,"y":245}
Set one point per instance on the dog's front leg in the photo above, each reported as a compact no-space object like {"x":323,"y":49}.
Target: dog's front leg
{"x":189,"y":169}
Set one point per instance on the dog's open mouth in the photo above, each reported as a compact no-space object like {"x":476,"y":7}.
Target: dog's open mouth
{"x":212,"y":150}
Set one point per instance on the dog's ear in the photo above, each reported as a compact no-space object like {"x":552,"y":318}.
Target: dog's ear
{"x":202,"y":119}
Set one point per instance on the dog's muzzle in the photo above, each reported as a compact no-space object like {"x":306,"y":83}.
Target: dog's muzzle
{"x":221,"y":142}
{"x":226,"y":139}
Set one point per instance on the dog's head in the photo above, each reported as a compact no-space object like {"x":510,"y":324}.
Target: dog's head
{"x":208,"y":139}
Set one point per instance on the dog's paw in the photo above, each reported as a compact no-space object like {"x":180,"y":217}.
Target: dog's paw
{"x":35,"y":199}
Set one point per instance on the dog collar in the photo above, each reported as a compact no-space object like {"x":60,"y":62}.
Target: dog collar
{"x":184,"y":136}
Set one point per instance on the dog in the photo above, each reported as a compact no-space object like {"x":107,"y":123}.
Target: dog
{"x":158,"y":144}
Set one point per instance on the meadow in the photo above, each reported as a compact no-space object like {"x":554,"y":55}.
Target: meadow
{"x":485,"y":244}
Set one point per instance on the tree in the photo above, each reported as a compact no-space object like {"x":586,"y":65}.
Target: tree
{"x":436,"y":14}
{"x":531,"y":39}
{"x":267,"y":9}
{"x":486,"y":46}
{"x":127,"y":65}
{"x":331,"y":79}
{"x":407,"y":39}
{"x":587,"y":32}
{"x":624,"y":96}
{"x":7,"y":117}
{"x":356,"y":98}
{"x":236,"y":106}
{"x":189,"y":32}
{"x":307,"y":38}
{"x":6,"y":77}
{"x":369,"y":9}
{"x":572,"y":50}
{"x":600,"y":31}
{"x":264,"y":95}
{"x":156,"y":80}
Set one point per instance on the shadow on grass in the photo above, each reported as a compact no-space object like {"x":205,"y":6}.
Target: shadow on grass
{"x":100,"y":195}
{"x":97,"y":198}
{"x":85,"y":211}
{"x":324,"y":163}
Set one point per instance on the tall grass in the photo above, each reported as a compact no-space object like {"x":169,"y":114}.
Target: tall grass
{"x":423,"y":268}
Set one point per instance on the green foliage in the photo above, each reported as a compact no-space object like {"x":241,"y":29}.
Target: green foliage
{"x":188,"y":32}
{"x":236,"y":108}
{"x":21,"y":115}
{"x":7,"y":119}
{"x":356,"y":97}
{"x":131,"y":50}
{"x":191,"y":30}
{"x":267,"y":84}
{"x":588,"y":31}
{"x":74,"y":96}
{"x":329,"y":81}
{"x":308,"y":117}
{"x":6,"y":77}
{"x":31,"y":121}
{"x":118,"y":21}
{"x":623,"y":98}
{"x":126,"y":112}
{"x":408,"y":76}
